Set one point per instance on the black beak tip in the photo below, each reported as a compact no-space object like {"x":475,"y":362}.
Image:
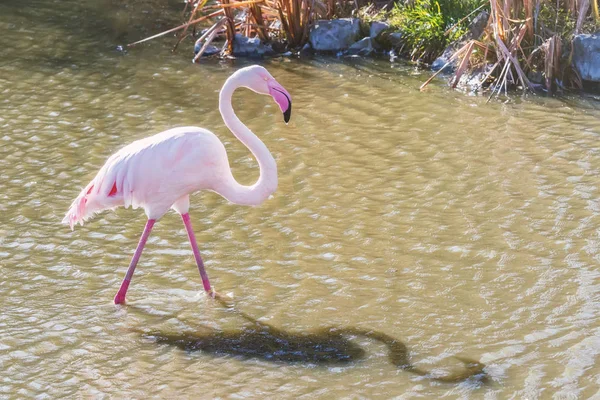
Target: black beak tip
{"x":287,"y":114}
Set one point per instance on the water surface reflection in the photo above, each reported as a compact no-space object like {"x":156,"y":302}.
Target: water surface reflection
{"x":456,"y":227}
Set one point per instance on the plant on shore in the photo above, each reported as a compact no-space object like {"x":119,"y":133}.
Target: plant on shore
{"x":285,"y":21}
{"x":428,"y":26}
{"x":526,"y":40}
{"x":526,"y":44}
{"x":295,"y":17}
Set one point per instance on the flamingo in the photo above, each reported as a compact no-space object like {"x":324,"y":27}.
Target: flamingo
{"x":161,"y":171}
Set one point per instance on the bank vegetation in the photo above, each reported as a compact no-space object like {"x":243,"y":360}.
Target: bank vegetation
{"x":524,"y":44}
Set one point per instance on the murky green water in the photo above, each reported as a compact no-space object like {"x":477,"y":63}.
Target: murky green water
{"x":457,"y":227}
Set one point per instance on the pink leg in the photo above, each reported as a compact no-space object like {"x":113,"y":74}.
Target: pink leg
{"x":120,"y":297}
{"x":192,"y":237}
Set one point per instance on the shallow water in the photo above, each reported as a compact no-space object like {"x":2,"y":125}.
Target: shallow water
{"x":458,"y":227}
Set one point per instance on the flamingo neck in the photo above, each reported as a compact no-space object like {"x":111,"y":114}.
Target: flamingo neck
{"x":267,"y":182}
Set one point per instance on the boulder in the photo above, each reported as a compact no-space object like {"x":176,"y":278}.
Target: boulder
{"x":473,"y":80}
{"x":396,"y":38}
{"x":306,"y":50}
{"x":474,"y":32}
{"x":334,"y":35}
{"x":389,"y":40}
{"x":377,"y":27}
{"x":586,"y":56}
{"x":251,"y":47}
{"x":209,"y":51}
{"x":363,"y":47}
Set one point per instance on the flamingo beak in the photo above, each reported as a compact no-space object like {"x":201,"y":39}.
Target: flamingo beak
{"x":282,"y":98}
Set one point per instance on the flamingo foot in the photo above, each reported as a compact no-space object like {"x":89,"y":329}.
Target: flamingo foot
{"x":119,"y":299}
{"x":120,"y":296}
{"x":223,"y":299}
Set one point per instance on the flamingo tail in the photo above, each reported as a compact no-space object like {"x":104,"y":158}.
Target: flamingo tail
{"x":90,"y":202}
{"x":79,"y":212}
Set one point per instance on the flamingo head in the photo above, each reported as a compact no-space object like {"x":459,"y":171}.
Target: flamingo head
{"x":259,"y":80}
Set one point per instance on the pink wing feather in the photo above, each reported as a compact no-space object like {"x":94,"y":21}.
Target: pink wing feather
{"x":152,"y":173}
{"x":95,"y":197}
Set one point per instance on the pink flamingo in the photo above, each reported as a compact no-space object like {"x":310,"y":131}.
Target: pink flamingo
{"x":160,"y":172}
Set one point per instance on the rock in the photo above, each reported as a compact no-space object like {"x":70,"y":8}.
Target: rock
{"x":586,"y":56}
{"x":306,"y":50}
{"x":253,"y":48}
{"x":363,"y":47}
{"x":389,"y":40}
{"x":209,"y":51}
{"x":474,"y":32}
{"x":442,"y":60}
{"x":278,"y":47}
{"x":473,"y":80}
{"x":377,"y":27}
{"x":334,"y":35}
{"x":535,"y":77}
{"x":395,"y":39}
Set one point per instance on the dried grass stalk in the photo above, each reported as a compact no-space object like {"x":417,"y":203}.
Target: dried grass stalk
{"x":230,"y":31}
{"x":237,"y":4}
{"x":177,"y":28}
{"x":257,"y":16}
{"x":295,"y":16}
{"x":454,"y":56}
{"x":464,"y":63}
{"x":552,"y":51}
{"x":199,"y":4}
{"x":210,"y":34}
{"x":582,"y":9}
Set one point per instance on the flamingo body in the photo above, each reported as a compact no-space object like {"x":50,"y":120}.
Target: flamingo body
{"x":155,"y":173}
{"x":161,"y":171}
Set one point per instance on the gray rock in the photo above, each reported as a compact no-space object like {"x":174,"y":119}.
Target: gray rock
{"x":363,"y":47}
{"x":395,"y":39}
{"x":442,"y":60}
{"x":475,"y":31}
{"x":306,"y":50}
{"x":209,"y":51}
{"x":377,"y":27}
{"x":535,"y":77}
{"x":389,"y":40}
{"x":473,"y":80}
{"x":586,"y":56}
{"x":251,"y":47}
{"x":334,"y":35}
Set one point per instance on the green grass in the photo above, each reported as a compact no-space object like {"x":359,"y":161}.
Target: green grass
{"x":424,"y":24}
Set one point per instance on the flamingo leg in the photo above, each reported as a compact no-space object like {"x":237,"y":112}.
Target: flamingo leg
{"x":120,"y":297}
{"x":192,"y":237}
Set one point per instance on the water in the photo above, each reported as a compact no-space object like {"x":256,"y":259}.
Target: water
{"x":459,"y":228}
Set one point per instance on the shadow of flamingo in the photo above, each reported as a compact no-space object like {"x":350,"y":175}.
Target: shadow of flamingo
{"x":327,"y":346}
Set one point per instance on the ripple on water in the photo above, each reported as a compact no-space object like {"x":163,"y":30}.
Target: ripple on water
{"x":458,"y":227}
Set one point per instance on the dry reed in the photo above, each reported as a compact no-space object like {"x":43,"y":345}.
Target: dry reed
{"x":267,"y":19}
{"x":524,"y":36}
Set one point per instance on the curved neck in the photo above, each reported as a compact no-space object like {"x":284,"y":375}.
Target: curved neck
{"x":267,"y":182}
